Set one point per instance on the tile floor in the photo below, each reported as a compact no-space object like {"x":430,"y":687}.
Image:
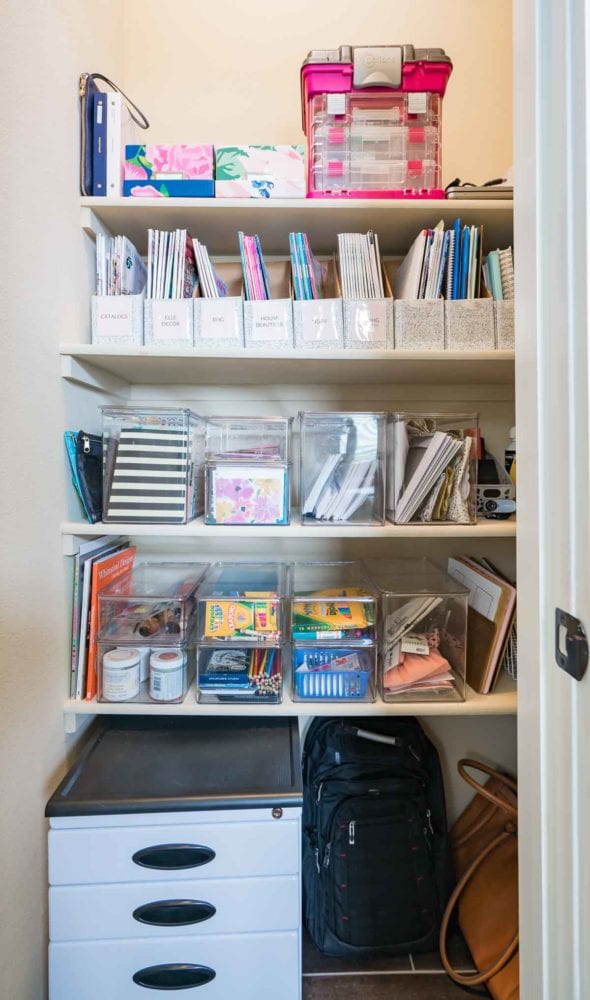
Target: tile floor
{"x":406,"y":977}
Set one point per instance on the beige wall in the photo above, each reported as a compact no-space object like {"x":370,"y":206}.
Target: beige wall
{"x":44,"y":271}
{"x":229,"y":72}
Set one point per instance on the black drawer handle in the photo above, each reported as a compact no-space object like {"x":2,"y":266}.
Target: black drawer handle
{"x":174,"y":976}
{"x":171,"y":856}
{"x":174,"y":912}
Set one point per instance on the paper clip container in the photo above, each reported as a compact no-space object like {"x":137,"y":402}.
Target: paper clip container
{"x":432,"y":468}
{"x":268,"y":323}
{"x":368,"y":323}
{"x":117,"y":320}
{"x":504,"y":315}
{"x":469,"y":325}
{"x":342,"y":468}
{"x":142,"y":673}
{"x":372,"y":116}
{"x":153,"y":464}
{"x":423,"y":642}
{"x":168,"y":322}
{"x":155,"y":603}
{"x":248,"y":470}
{"x":333,"y":623}
{"x":241,"y":626}
{"x":318,"y":322}
{"x":219,"y":323}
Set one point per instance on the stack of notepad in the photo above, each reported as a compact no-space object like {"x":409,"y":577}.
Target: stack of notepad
{"x":498,"y":274}
{"x":360,"y":266}
{"x":340,"y":489}
{"x":171,"y":270}
{"x":149,"y":480}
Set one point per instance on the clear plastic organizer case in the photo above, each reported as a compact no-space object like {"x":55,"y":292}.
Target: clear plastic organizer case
{"x":423,"y":631}
{"x":153,"y":464}
{"x":333,"y":673}
{"x":342,"y":468}
{"x":239,"y":673}
{"x":242,"y":603}
{"x":432,"y":467}
{"x":140,"y":672}
{"x":248,"y":471}
{"x":155,"y":603}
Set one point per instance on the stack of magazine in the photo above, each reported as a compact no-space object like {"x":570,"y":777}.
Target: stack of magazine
{"x":171,"y":272}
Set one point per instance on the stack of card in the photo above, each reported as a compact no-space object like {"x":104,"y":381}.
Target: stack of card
{"x":171,"y":270}
{"x":360,"y":266}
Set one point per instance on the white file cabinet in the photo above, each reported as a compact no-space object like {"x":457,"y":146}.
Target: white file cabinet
{"x":179,"y":901}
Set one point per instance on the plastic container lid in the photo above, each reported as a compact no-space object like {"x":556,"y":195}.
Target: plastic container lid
{"x":166,"y":659}
{"x":121,"y":659}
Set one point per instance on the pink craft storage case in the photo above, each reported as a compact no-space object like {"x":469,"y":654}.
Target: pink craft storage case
{"x":372,"y":118}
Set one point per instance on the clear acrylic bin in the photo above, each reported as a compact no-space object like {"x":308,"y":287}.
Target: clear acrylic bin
{"x":342,"y":468}
{"x":322,"y":672}
{"x":239,"y":674}
{"x":139,"y":672}
{"x":432,"y":468}
{"x":423,"y":631}
{"x":243,"y":603}
{"x":155,"y":603}
{"x":246,"y":439}
{"x":153,"y":464}
{"x":332,"y":602}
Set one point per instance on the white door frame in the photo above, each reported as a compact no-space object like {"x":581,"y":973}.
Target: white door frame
{"x":551,"y":128}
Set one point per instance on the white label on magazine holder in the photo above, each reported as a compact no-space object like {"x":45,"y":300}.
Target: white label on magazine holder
{"x":218,"y":319}
{"x":371,"y":321}
{"x":319,"y":322}
{"x":114,"y":320}
{"x":171,"y":320}
{"x":270,"y":321}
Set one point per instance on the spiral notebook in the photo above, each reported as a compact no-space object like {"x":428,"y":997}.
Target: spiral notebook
{"x":150,"y":480}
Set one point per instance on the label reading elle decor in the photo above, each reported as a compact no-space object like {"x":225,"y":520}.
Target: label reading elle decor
{"x":171,"y":319}
{"x":271,"y":321}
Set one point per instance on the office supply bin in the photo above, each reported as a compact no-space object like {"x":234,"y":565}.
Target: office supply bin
{"x":247,"y":470}
{"x":140,"y":672}
{"x":239,"y":673}
{"x":242,"y":602}
{"x":156,"y":602}
{"x":333,"y":625}
{"x":423,"y":639}
{"x":432,"y":467}
{"x":372,"y":116}
{"x":153,"y":464}
{"x":342,"y":468}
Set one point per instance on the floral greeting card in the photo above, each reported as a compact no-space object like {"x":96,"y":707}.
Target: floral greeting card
{"x":247,"y":494}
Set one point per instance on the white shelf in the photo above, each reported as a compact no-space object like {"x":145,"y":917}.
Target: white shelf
{"x":217,"y":221}
{"x":502,"y":702}
{"x":84,"y":363}
{"x":484,"y":529}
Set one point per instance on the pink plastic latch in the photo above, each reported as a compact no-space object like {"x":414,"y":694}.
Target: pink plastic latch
{"x":414,"y":167}
{"x":415,"y":135}
{"x":336,"y":136}
{"x":335,"y":168}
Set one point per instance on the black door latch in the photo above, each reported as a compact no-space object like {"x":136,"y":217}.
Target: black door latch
{"x":571,"y":644}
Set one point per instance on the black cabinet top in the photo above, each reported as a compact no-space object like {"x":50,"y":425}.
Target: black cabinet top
{"x":167,"y":765}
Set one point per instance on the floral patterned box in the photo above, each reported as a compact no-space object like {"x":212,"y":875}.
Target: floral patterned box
{"x":260,"y":172}
{"x":168,"y":171}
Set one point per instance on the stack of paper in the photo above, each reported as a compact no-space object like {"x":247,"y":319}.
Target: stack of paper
{"x":211,"y":285}
{"x":171,"y":265}
{"x":418,"y":469}
{"x":409,"y":661}
{"x":119,"y":268}
{"x":340,"y":489}
{"x":360,"y":266}
{"x":442,"y":263}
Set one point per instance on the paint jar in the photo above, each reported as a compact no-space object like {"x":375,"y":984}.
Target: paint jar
{"x":167,"y":675}
{"x":120,"y":674}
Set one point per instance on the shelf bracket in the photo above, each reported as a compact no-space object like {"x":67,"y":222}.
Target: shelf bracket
{"x":70,"y":723}
{"x":93,"y":377}
{"x":92,"y":225}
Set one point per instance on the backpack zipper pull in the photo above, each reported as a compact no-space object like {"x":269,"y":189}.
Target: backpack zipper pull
{"x":327,"y":856}
{"x":351,"y":832}
{"x":316,"y":851}
{"x":429,"y":821}
{"x":86,"y":443}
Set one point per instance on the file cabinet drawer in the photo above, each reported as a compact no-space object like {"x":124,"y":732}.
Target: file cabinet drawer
{"x":174,"y":908}
{"x":179,"y":851}
{"x":247,"y":966}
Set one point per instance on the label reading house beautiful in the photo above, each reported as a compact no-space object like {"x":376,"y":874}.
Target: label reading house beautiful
{"x":271,"y":321}
{"x":172,"y":321}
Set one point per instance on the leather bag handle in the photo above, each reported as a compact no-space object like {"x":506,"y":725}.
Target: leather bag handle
{"x":139,"y":118}
{"x":480,"y":978}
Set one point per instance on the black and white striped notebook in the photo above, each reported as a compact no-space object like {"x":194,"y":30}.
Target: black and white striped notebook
{"x":150,"y":475}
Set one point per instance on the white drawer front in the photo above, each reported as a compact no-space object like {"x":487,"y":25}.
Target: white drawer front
{"x":230,"y":906}
{"x":240,"y":850}
{"x":247,"y":967}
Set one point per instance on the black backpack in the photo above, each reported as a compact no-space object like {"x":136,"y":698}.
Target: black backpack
{"x":377,"y":868}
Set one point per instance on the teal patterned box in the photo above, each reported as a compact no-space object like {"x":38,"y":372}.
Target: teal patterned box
{"x":260,"y":172}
